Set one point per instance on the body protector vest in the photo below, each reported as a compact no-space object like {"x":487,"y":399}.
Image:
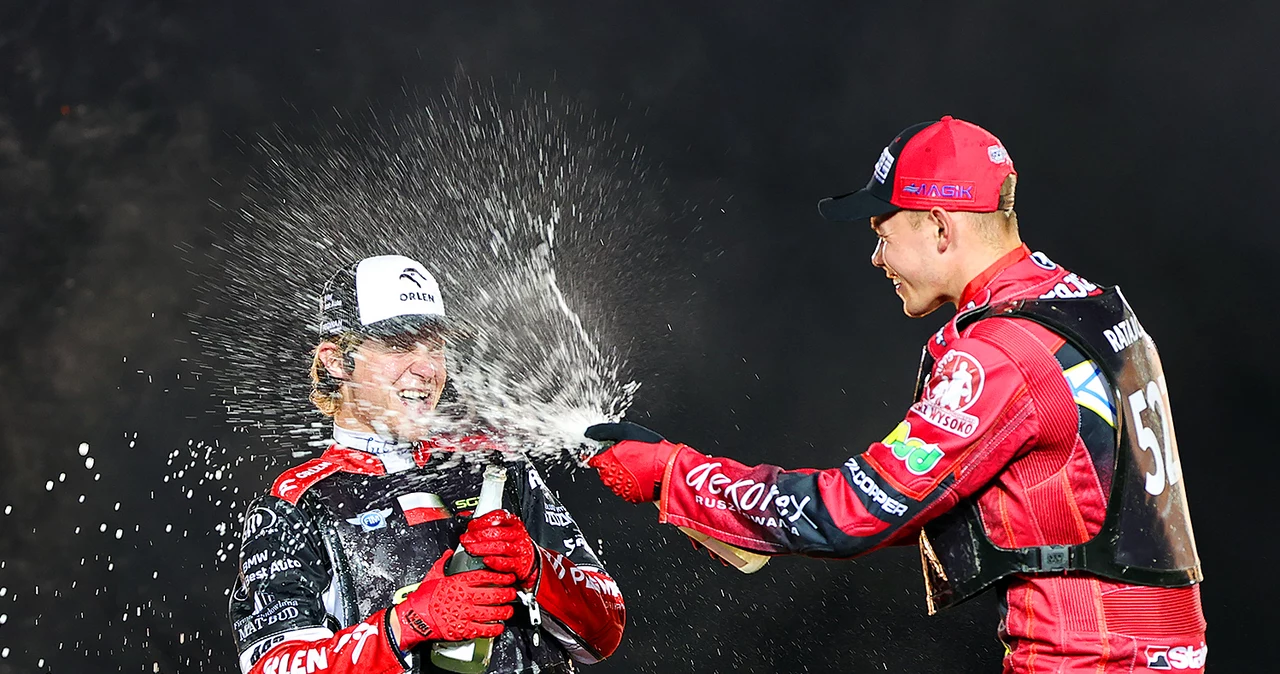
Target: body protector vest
{"x":1146,"y":536}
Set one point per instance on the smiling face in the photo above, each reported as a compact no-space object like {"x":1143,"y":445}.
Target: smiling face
{"x":394,"y":385}
{"x":910,"y":252}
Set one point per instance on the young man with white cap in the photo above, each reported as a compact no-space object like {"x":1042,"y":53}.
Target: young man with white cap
{"x":1038,"y":456}
{"x":342,"y":563}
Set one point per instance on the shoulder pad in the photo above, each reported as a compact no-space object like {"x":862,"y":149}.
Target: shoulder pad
{"x":293,"y":483}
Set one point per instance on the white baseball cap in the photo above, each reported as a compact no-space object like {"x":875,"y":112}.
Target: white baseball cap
{"x":382,"y":295}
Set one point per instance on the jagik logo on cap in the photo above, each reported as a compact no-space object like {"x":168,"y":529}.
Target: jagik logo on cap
{"x":949,"y":163}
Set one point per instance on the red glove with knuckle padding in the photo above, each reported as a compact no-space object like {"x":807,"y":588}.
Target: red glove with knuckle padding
{"x":501,"y":540}
{"x":464,"y":606}
{"x":634,"y":466}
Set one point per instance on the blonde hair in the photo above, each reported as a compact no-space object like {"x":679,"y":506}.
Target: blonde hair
{"x":1008,"y":190}
{"x":998,"y":225}
{"x":326,"y":392}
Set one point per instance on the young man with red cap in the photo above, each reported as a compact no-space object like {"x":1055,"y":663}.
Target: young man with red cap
{"x":343,"y":563}
{"x":1038,"y":457}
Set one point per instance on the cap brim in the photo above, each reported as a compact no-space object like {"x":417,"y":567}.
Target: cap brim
{"x":449,"y":327}
{"x":854,"y":206}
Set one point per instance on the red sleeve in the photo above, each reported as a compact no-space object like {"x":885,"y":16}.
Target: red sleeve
{"x":585,"y":606}
{"x":363,"y":648}
{"x":977,"y":412}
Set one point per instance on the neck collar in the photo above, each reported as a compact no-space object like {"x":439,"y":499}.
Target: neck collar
{"x":371,"y":454}
{"x":981,"y":281}
{"x":368,"y":442}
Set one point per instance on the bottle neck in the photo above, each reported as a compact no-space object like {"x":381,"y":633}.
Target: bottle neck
{"x":495,"y":479}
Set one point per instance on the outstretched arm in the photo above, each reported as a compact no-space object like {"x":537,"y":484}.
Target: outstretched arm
{"x":947,"y":447}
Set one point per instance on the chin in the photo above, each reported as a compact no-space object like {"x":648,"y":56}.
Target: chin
{"x":915,"y":311}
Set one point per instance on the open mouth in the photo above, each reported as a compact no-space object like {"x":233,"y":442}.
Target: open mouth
{"x":414,"y":396}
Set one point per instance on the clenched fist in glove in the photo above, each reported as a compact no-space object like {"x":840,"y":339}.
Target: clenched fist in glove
{"x":463,"y":606}
{"x":634,"y":465}
{"x":501,"y":540}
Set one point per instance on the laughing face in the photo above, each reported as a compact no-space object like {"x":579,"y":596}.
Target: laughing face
{"x":907,"y":250}
{"x":394,"y":386}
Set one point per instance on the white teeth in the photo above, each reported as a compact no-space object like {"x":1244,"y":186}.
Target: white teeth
{"x":414,"y":395}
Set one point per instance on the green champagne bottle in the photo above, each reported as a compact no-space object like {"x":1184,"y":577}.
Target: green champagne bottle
{"x":471,"y":657}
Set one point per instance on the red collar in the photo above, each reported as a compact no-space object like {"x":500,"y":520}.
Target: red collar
{"x":295,"y":481}
{"x":981,"y":281}
{"x":363,"y":463}
{"x":355,"y":461}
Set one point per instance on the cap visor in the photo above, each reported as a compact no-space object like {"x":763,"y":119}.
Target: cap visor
{"x":860,"y":205}
{"x":449,"y":327}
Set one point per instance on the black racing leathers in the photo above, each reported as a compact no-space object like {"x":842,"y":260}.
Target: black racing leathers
{"x":340,"y":536}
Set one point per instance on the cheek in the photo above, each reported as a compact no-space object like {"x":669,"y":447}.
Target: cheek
{"x":898,"y":258}
{"x":375,"y":374}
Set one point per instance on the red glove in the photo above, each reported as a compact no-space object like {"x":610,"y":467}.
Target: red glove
{"x":632,"y":468}
{"x":585,"y":602}
{"x":502,"y":540}
{"x":463,"y":606}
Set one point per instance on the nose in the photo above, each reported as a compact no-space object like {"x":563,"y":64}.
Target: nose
{"x":877,"y":255}
{"x":428,"y":362}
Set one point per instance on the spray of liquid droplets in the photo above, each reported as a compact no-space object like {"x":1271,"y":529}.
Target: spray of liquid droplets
{"x":529,"y":213}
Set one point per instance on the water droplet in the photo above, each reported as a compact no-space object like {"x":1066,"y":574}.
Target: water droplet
{"x":48,"y":486}
{"x":84,"y":449}
{"x":88,"y":463}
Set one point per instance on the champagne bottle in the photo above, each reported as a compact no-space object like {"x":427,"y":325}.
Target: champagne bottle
{"x":471,"y":657}
{"x":745,"y":561}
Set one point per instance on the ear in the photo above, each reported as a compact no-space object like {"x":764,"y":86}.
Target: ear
{"x":945,"y":222}
{"x":331,"y":357}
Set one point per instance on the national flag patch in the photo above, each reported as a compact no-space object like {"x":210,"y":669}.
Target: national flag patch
{"x":421,"y":507}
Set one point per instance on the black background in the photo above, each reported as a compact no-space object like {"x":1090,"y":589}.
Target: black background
{"x":1144,"y":134}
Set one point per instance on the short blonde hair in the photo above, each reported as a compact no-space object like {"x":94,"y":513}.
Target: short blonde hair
{"x":997,"y":225}
{"x":326,"y":392}
{"x":1008,"y":190}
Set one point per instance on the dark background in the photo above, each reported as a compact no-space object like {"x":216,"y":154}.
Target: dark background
{"x":1145,"y":137}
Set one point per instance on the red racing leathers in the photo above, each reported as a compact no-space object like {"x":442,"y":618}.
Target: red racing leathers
{"x":993,"y":423}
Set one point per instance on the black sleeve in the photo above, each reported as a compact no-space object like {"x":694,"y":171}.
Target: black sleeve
{"x":549,"y":523}
{"x":284,"y":572}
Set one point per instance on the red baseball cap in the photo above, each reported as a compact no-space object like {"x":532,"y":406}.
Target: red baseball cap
{"x":949,"y":163}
